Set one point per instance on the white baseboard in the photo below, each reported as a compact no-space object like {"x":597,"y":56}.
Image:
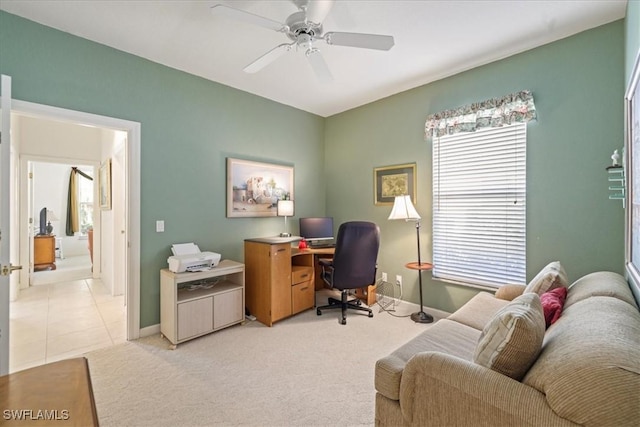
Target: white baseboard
{"x":150,"y":330}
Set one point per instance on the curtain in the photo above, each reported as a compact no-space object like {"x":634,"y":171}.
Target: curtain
{"x":72,"y":202}
{"x":496,"y":112}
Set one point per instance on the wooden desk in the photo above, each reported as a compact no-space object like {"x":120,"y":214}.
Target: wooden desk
{"x":316,"y":254}
{"x":58,"y":393}
{"x":277,"y":283}
{"x":366,"y":294}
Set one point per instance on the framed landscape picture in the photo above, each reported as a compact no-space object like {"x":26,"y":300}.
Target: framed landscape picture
{"x":254,"y":188}
{"x":392,"y":181}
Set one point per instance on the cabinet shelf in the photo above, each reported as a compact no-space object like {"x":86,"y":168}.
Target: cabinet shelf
{"x":185,"y":295}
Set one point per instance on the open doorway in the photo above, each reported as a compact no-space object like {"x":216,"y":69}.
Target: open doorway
{"x":111,"y":234}
{"x":60,"y":253}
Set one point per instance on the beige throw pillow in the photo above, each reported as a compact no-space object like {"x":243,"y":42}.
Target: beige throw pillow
{"x":550,"y":277}
{"x":511,"y":341}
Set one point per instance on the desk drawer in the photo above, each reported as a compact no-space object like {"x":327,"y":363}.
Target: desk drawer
{"x":300,"y":273}
{"x":302,"y":296}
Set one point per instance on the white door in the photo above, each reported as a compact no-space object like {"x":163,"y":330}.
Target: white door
{"x":5,"y":197}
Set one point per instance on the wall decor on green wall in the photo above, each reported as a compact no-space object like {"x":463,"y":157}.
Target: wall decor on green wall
{"x":392,"y":181}
{"x":254,"y":188}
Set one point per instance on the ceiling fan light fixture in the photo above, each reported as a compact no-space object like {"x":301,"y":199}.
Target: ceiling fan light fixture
{"x":303,"y":28}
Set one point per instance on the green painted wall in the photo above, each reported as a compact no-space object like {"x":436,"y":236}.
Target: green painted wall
{"x":578,"y":86}
{"x":189,"y":126}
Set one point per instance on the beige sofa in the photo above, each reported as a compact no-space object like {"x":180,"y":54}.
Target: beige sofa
{"x":586,"y":371}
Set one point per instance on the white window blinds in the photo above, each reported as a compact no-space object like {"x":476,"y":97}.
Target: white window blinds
{"x":479,"y":209}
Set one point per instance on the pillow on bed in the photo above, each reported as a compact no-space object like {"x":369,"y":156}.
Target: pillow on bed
{"x":512,"y":339}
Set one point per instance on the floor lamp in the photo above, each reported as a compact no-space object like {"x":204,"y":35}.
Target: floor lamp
{"x":404,"y":209}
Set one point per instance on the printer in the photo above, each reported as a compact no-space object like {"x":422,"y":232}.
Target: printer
{"x":187,"y":257}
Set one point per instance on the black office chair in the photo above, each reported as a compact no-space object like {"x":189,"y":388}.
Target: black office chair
{"x":353,"y":265}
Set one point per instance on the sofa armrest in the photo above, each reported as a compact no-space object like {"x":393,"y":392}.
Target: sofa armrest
{"x":509,"y":292}
{"x":439,"y":389}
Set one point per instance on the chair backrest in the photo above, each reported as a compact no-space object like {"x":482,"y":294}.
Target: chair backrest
{"x":356,"y":255}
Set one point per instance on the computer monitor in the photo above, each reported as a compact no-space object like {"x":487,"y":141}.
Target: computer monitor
{"x":43,"y":221}
{"x":316,"y":229}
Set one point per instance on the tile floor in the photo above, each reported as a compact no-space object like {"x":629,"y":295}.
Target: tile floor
{"x":55,"y":321}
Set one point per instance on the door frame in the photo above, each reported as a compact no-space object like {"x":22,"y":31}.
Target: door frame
{"x":133,"y":130}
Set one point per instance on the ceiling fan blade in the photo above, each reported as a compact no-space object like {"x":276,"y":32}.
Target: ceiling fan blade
{"x":268,"y":58}
{"x":241,"y":15}
{"x":367,"y":41}
{"x":319,"y":65}
{"x":317,"y":10}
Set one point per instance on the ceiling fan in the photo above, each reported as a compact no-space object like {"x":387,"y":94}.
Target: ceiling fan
{"x":304,"y":28}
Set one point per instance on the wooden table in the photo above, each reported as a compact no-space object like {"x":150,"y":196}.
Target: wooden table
{"x":57,"y":393}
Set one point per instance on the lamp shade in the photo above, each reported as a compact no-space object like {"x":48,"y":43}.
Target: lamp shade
{"x":285,"y":208}
{"x":51,"y":216}
{"x":403,"y":209}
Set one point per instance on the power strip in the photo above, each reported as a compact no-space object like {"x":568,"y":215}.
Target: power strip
{"x":250,"y":317}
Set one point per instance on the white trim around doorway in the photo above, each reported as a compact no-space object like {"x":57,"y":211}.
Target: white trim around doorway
{"x":133,"y":130}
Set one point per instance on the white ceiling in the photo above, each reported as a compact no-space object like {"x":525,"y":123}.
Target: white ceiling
{"x":433,"y":39}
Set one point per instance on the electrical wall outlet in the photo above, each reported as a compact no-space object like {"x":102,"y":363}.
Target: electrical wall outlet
{"x":398,"y":279}
{"x":384,"y":277}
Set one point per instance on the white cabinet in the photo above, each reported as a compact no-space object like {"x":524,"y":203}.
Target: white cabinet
{"x":194,"y":304}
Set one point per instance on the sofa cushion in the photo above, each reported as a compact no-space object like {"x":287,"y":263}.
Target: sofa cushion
{"x":511,"y":341}
{"x":478,"y":311}
{"x":601,"y":283}
{"x":589,"y":366}
{"x":444,"y":336}
{"x":550,"y":277}
{"x":552,"y":303}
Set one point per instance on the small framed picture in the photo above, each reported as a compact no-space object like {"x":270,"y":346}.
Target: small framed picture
{"x":392,"y":181}
{"x":104,"y":182}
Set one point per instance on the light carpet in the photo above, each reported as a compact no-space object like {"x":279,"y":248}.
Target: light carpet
{"x":306,"y":370}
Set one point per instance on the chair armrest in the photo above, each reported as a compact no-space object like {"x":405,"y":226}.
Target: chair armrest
{"x":509,"y":292}
{"x":440,"y":389}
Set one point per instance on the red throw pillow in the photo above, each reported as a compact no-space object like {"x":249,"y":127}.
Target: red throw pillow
{"x":552,"y":303}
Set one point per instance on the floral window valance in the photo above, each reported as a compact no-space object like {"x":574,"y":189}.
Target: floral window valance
{"x":496,"y":112}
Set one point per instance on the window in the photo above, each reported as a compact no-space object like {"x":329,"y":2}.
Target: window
{"x":85,"y":201}
{"x":479,"y":206}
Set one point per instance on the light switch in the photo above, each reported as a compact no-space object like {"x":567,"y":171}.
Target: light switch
{"x":159,"y":226}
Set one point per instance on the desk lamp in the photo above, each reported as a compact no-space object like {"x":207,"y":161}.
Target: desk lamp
{"x":404,"y":209}
{"x":285,"y":209}
{"x":50,"y":217}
